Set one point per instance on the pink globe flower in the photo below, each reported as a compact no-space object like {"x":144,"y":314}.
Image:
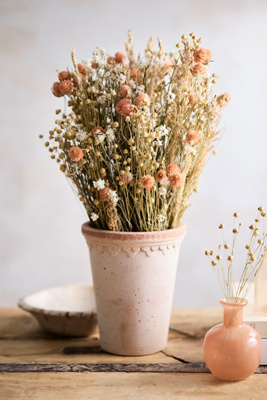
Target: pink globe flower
{"x":119,"y":57}
{"x":168,"y":64}
{"x":147,"y":182}
{"x":110,"y":60}
{"x":199,"y":69}
{"x":192,"y":98}
{"x":98,"y":130}
{"x":173,"y":168}
{"x":104,"y":194}
{"x":64,"y":75}
{"x":193,"y":137}
{"x":135,"y":75}
{"x":94,"y":65}
{"x":75,"y":81}
{"x":161,"y":174}
{"x":126,"y":178}
{"x":125,"y":107}
{"x":56,"y":89}
{"x":125,"y":92}
{"x":82,"y":69}
{"x":142,"y":100}
{"x":202,"y":56}
{"x":214,"y":110}
{"x":66,"y":87}
{"x":223,"y":99}
{"x":76,"y":153}
{"x":176,"y":179}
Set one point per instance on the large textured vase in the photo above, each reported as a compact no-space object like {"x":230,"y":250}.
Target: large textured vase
{"x":232,"y":350}
{"x":134,"y":276}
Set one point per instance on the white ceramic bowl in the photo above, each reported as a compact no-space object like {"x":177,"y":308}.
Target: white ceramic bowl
{"x":65,"y":310}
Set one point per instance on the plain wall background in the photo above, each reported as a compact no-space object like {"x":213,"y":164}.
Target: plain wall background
{"x":41,"y":243}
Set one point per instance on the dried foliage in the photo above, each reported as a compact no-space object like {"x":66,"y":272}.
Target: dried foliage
{"x":138,"y":133}
{"x":256,"y":254}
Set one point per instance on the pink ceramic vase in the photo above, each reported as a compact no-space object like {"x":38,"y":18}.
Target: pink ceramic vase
{"x":232,"y":350}
{"x":134,"y":277}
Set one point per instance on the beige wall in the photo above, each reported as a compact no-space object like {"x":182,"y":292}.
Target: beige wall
{"x":41,"y":244}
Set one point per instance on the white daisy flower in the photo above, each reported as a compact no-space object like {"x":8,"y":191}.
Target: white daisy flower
{"x":122,"y":78}
{"x":140,"y":89}
{"x":110,"y":135}
{"x":101,"y":99}
{"x":160,"y":218}
{"x":100,"y":184}
{"x":94,"y":217}
{"x":161,"y":63}
{"x":162,"y":130}
{"x":132,"y":84}
{"x":164,"y":182}
{"x":113,"y":196}
{"x":162,"y":191}
{"x":100,"y":138}
{"x":142,"y":61}
{"x":189,"y":149}
{"x":119,"y":68}
{"x":81,"y":136}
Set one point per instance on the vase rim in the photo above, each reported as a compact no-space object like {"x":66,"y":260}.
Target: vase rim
{"x":119,"y":235}
{"x":233,"y":301}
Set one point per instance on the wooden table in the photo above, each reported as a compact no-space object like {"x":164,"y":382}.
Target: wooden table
{"x":36,"y":365}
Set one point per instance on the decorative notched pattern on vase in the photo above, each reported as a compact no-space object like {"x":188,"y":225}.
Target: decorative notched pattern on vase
{"x":132,"y":251}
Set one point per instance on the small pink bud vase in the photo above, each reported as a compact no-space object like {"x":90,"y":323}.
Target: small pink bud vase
{"x":232,"y":350}
{"x":134,"y":277}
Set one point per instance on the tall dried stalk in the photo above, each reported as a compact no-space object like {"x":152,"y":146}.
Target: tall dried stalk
{"x":256,"y":254}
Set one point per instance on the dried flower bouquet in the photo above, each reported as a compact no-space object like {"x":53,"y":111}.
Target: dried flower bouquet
{"x":138,"y":133}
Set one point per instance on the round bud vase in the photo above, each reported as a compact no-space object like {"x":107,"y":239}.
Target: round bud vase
{"x":232,"y":350}
{"x":134,"y":277}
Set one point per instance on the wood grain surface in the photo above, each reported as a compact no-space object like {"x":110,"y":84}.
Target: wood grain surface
{"x":37,"y":365}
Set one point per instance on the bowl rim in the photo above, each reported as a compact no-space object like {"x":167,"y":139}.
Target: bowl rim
{"x":24,"y":305}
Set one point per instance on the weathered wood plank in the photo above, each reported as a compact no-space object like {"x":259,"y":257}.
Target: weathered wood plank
{"x":188,"y":350}
{"x":195,"y":322}
{"x":110,"y":367}
{"x":68,"y":351}
{"x":134,"y":386}
{"x":195,"y":368}
{"x":15,"y":322}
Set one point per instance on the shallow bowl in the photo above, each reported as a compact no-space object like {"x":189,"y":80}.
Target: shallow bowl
{"x":64,"y":310}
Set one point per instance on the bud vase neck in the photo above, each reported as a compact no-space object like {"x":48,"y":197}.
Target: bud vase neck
{"x":233,"y":311}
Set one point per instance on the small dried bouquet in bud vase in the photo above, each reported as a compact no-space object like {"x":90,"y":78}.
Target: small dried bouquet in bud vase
{"x":256,"y":253}
{"x":137,"y":134}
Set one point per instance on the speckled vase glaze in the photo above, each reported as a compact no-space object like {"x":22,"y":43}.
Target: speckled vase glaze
{"x":134,"y":277}
{"x":232,"y":350}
